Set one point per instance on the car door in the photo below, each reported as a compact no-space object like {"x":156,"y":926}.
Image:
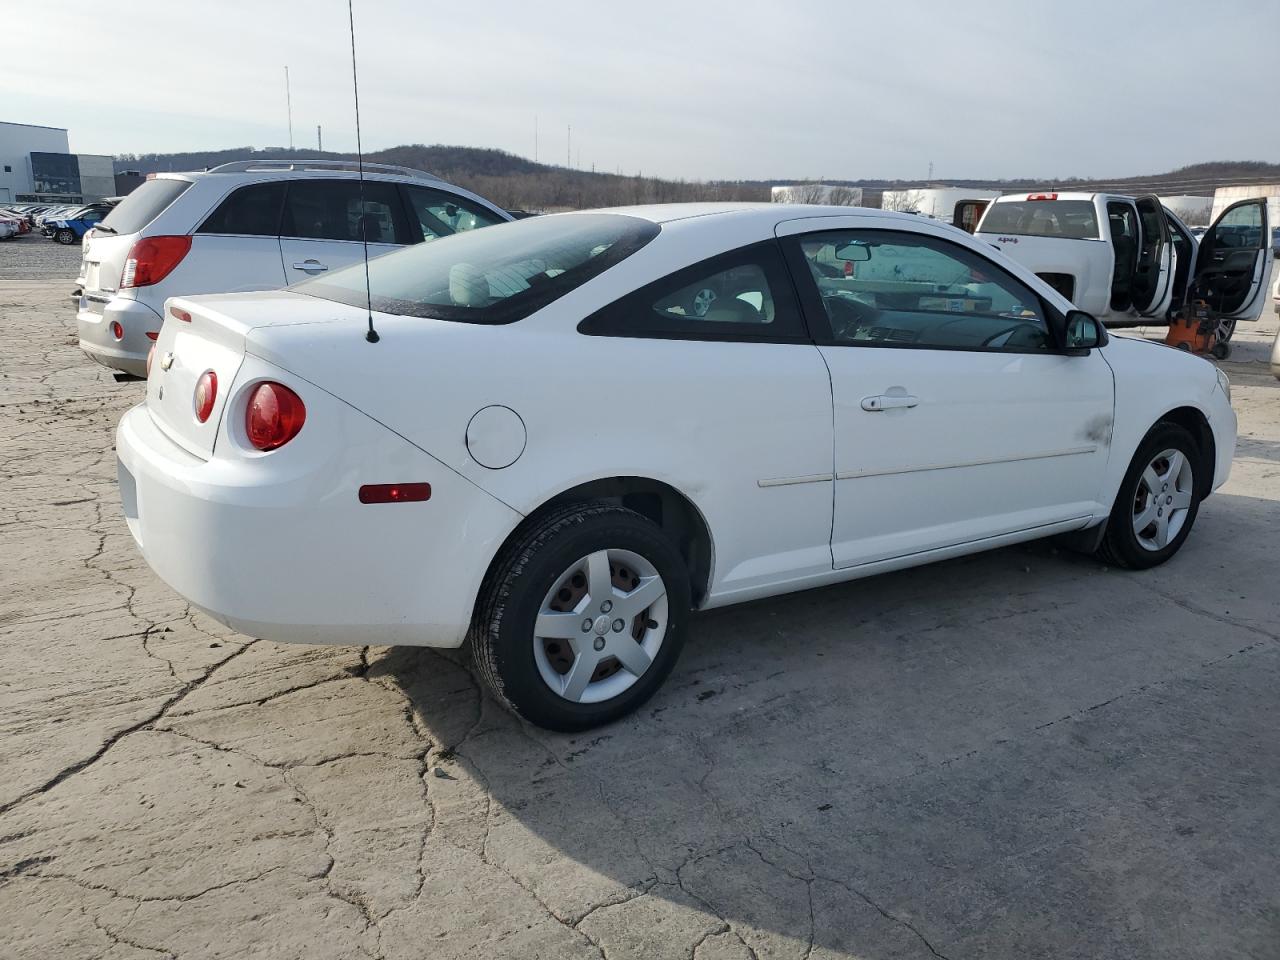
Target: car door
{"x":1185,"y":245}
{"x":236,"y":248}
{"x":1234,"y":260}
{"x":324,"y":226}
{"x":957,"y":419}
{"x":1153,"y":275}
{"x":739,"y":388}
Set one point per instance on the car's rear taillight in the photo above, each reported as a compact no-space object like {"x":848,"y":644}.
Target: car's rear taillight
{"x":152,"y":259}
{"x":274,"y":416}
{"x":206,"y":393}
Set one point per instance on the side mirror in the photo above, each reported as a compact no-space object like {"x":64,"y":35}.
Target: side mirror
{"x":1082,"y":332}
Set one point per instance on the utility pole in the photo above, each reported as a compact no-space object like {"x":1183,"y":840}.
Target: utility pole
{"x":288,"y":105}
{"x":535,"y":138}
{"x":319,"y":140}
{"x":931,"y":171}
{"x":568,"y":146}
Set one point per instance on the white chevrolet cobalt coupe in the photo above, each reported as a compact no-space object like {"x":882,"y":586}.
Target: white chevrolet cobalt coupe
{"x":571,"y":430}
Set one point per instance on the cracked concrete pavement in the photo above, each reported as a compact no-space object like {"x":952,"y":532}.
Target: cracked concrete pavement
{"x":1022,"y":754}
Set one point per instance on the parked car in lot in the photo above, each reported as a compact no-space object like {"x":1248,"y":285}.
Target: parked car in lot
{"x":1130,"y":261}
{"x":50,"y":214}
{"x":9,"y":227}
{"x":71,"y":227}
{"x":18,"y":216}
{"x":249,"y":225}
{"x":574,"y":428}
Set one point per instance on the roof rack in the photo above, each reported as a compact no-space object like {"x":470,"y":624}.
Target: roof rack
{"x":237,"y":166}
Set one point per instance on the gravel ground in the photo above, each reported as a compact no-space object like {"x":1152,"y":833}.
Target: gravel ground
{"x":33,"y":257}
{"x":1021,"y":754}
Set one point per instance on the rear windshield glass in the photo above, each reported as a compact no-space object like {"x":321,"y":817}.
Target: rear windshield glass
{"x":145,"y":204}
{"x":495,"y":275}
{"x":1072,"y":219}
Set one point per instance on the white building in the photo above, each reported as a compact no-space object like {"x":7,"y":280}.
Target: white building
{"x":1224,"y":197}
{"x":1194,"y":211}
{"x":36,"y":164}
{"x":818,"y":193}
{"x":937,"y":202}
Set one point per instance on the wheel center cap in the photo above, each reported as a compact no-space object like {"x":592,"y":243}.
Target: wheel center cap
{"x":601,"y":626}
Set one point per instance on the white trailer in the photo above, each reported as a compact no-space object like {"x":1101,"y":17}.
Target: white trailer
{"x":937,"y":202}
{"x":818,"y":193}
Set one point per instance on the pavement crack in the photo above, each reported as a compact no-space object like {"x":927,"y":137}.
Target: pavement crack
{"x":143,"y":724}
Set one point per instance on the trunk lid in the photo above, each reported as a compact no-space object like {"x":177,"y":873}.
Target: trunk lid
{"x":214,"y":339}
{"x":101,"y":264}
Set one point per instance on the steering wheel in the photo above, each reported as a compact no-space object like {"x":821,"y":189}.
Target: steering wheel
{"x":848,"y":315}
{"x":702,"y":301}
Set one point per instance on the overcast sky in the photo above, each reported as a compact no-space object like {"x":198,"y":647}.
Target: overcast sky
{"x":838,"y":89}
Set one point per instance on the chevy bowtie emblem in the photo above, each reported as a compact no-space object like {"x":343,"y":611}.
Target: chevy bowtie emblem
{"x":167,"y":361}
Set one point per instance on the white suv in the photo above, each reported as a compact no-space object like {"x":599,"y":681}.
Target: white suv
{"x":249,"y":225}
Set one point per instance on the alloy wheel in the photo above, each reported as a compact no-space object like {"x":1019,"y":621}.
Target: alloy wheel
{"x":1164,"y":495}
{"x":600,"y":626}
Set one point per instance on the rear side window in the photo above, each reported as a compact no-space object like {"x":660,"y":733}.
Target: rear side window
{"x":742,"y":295}
{"x":497,"y":275}
{"x":330,"y":210}
{"x":250,"y":211}
{"x":439,"y":214}
{"x":147,"y":202}
{"x":1067,"y":219}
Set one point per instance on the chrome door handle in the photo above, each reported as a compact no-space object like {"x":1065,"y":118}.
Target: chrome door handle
{"x":311,"y":266}
{"x":886,"y":402}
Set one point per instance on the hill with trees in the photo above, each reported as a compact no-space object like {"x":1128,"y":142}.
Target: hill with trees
{"x":516,"y":182}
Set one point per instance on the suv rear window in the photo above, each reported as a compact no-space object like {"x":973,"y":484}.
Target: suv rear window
{"x":146,"y":203}
{"x":1069,"y":219}
{"x":495,"y":275}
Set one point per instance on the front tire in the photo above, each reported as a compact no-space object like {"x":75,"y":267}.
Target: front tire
{"x":582,"y":617}
{"x":1158,"y":501}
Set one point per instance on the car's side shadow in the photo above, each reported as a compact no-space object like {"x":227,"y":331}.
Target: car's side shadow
{"x":866,"y":767}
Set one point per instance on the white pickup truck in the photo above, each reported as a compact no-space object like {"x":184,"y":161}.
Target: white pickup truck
{"x":1128,"y":260}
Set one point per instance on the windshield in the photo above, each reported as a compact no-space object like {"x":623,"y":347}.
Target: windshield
{"x":145,"y":204}
{"x":1069,"y":219}
{"x":495,"y":275}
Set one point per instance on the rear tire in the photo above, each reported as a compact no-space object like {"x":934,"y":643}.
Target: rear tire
{"x":67,"y":237}
{"x":576,"y":574}
{"x":1158,"y":500}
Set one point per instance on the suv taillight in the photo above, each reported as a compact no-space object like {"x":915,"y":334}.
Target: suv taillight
{"x":152,"y":259}
{"x":274,"y":416}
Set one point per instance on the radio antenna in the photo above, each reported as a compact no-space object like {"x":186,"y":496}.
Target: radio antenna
{"x":372,"y":334}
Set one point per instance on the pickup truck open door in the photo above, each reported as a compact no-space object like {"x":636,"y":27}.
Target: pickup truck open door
{"x":1152,"y":286}
{"x":1233,"y":261}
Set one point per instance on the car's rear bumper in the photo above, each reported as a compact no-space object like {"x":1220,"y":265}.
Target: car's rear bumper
{"x":94,"y":316}
{"x":285,"y":551}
